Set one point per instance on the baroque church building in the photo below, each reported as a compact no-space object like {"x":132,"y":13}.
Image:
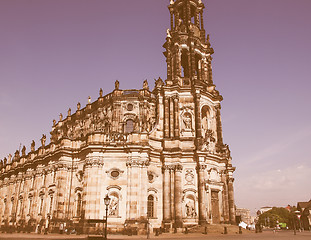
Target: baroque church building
{"x":159,"y":155}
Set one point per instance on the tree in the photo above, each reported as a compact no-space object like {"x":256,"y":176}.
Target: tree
{"x":276,"y":215}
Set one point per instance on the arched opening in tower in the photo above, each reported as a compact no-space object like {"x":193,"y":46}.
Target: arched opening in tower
{"x":198,"y":66}
{"x":184,"y":64}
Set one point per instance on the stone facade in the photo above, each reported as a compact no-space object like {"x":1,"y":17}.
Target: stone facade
{"x":158,"y":154}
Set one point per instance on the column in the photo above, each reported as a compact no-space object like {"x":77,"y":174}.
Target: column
{"x":225,"y":198}
{"x":231,"y":200}
{"x":178,"y":196}
{"x":166,"y":194}
{"x":201,"y":193}
{"x":172,"y":185}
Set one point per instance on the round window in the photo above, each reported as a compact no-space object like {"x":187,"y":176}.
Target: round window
{"x":115,"y":173}
{"x":130,"y":107}
{"x":150,"y":177}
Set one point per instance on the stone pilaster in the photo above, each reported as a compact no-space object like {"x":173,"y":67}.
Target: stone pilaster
{"x":90,"y":195}
{"x":171,"y":117}
{"x":176,"y":117}
{"x":137,"y":191}
{"x":166,"y":194}
{"x":166,"y":117}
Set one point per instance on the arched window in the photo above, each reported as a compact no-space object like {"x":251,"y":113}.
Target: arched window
{"x":150,"y":206}
{"x":41,"y":204}
{"x":129,"y":126}
{"x":78,"y":204}
{"x":184,"y":64}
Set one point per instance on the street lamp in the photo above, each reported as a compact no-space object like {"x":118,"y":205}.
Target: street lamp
{"x":106,"y":201}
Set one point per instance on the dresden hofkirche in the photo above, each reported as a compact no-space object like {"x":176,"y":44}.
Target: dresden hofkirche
{"x":158,"y":154}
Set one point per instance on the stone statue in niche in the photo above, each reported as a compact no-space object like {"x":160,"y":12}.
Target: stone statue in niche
{"x":190,"y":211}
{"x":113,"y":206}
{"x":136,"y":124}
{"x":70,"y":131}
{"x":79,"y":175}
{"x":187,"y":121}
{"x":151,"y":123}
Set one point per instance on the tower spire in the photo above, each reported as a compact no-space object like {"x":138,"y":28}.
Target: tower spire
{"x":188,"y":52}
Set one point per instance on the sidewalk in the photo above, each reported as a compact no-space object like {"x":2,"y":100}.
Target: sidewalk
{"x":267,"y":235}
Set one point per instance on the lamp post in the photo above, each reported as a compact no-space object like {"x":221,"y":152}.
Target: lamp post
{"x":106,"y":201}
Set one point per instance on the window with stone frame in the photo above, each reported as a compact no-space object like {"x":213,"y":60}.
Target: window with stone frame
{"x":78,"y":204}
{"x":129,"y":126}
{"x":41,"y":204}
{"x":150,"y":206}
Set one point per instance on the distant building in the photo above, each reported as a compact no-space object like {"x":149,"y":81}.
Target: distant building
{"x":263,"y":210}
{"x":244,"y":215}
{"x":305,"y":214}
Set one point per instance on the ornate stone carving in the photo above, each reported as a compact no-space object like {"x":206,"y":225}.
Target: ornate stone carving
{"x":145,"y":85}
{"x":159,"y":83}
{"x":116,"y":85}
{"x":94,"y":162}
{"x":187,"y":121}
{"x":24,"y":151}
{"x":137,"y":163}
{"x":33,"y":145}
{"x":114,"y":173}
{"x":43,"y":139}
{"x":189,"y":177}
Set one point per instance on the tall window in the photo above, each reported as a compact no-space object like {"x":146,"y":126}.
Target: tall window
{"x":30,"y":204}
{"x":51,"y":204}
{"x":41,"y":205}
{"x":129,"y":126}
{"x":12,"y":206}
{"x":150,"y":206}
{"x":79,"y":204}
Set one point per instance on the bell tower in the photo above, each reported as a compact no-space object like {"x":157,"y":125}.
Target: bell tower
{"x":188,"y":51}
{"x":189,"y":126}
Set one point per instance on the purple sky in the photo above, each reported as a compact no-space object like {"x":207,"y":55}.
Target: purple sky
{"x":54,"y":54}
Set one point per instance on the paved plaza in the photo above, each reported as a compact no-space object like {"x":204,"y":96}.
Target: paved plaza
{"x":267,"y":235}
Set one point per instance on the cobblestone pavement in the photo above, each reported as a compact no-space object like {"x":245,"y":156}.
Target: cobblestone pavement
{"x":268,"y":235}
